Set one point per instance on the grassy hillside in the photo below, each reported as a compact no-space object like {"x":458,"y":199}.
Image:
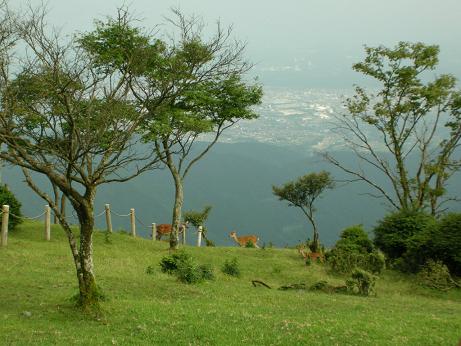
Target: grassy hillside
{"x":37,"y":279}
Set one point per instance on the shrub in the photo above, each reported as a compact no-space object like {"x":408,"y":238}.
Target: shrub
{"x":361,"y":282}
{"x":169,"y":264}
{"x":395,"y":233}
{"x":376,"y":262}
{"x":446,"y":241}
{"x":183,"y":266}
{"x":355,"y":239}
{"x":436,"y":275}
{"x":8,"y":198}
{"x":231,"y":267}
{"x":355,"y":250}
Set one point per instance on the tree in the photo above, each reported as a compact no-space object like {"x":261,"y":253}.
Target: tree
{"x":197,"y":219}
{"x":187,"y":89}
{"x":408,"y":119}
{"x":302,"y":193}
{"x":64,"y":118}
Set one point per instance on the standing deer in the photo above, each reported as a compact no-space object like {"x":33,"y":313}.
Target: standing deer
{"x":165,"y":228}
{"x":243,"y":240}
{"x":313,"y":256}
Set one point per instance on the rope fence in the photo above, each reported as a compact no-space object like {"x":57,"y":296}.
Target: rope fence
{"x":5,"y":214}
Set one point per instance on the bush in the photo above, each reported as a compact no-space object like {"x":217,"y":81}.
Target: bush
{"x":8,"y":198}
{"x":231,"y":267}
{"x":402,"y":230}
{"x":183,"y":266}
{"x":355,"y":239}
{"x":189,"y":272}
{"x":361,"y":282}
{"x":446,"y":241}
{"x":435,"y":275}
{"x":169,"y":264}
{"x":355,"y":250}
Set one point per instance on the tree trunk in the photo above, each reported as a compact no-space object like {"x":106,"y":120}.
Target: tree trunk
{"x":63,"y":205}
{"x":88,"y":293}
{"x":316,"y":240}
{"x":177,"y":209}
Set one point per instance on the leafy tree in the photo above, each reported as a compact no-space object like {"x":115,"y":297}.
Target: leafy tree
{"x":408,"y":118}
{"x":70,"y":121}
{"x":302,"y":193}
{"x":186,"y":88}
{"x":197,"y":219}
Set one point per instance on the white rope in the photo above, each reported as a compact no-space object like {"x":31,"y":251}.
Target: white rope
{"x":101,"y":213}
{"x":27,"y":218}
{"x":113,"y":212}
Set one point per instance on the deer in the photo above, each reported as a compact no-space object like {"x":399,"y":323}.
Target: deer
{"x":165,"y":228}
{"x":313,"y":256}
{"x":243,"y":240}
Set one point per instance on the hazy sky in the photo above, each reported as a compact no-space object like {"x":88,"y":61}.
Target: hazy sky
{"x":298,"y":42}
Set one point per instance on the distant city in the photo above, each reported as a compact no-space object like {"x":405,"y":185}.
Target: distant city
{"x":293,"y":117}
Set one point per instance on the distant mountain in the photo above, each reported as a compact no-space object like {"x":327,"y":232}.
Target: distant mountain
{"x":236,"y":179}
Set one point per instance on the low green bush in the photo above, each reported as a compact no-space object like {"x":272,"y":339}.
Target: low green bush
{"x":231,"y":267}
{"x":435,"y":274}
{"x":355,"y":250}
{"x":361,"y":282}
{"x":183,"y":266}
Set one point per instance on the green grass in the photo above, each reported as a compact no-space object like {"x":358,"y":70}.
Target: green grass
{"x":38,"y":277}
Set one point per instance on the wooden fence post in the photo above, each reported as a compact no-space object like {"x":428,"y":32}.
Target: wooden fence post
{"x":184,"y":235}
{"x":154,"y":231}
{"x":47,"y":222}
{"x":108,"y":219}
{"x":5,"y":217}
{"x":133,"y":222}
{"x":199,"y":236}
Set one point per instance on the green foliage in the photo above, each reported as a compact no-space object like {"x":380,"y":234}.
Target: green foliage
{"x":170,"y":263}
{"x":446,"y":241}
{"x":410,"y":115}
{"x":355,"y":239}
{"x":150,"y":270}
{"x":355,"y":250}
{"x":361,"y":282}
{"x":402,"y":230}
{"x":304,"y":190}
{"x":183,"y":266}
{"x":302,"y":193}
{"x":231,"y":267}
{"x":8,"y":198}
{"x":435,"y":274}
{"x":250,"y":244}
{"x":197,"y":218}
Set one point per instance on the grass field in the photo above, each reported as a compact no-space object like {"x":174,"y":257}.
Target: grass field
{"x":37,"y":279}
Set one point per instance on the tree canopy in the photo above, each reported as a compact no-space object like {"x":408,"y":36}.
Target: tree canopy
{"x":411,"y":118}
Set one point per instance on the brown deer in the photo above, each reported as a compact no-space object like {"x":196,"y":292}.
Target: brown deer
{"x":243,"y":240}
{"x":313,"y":256}
{"x":165,"y":228}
